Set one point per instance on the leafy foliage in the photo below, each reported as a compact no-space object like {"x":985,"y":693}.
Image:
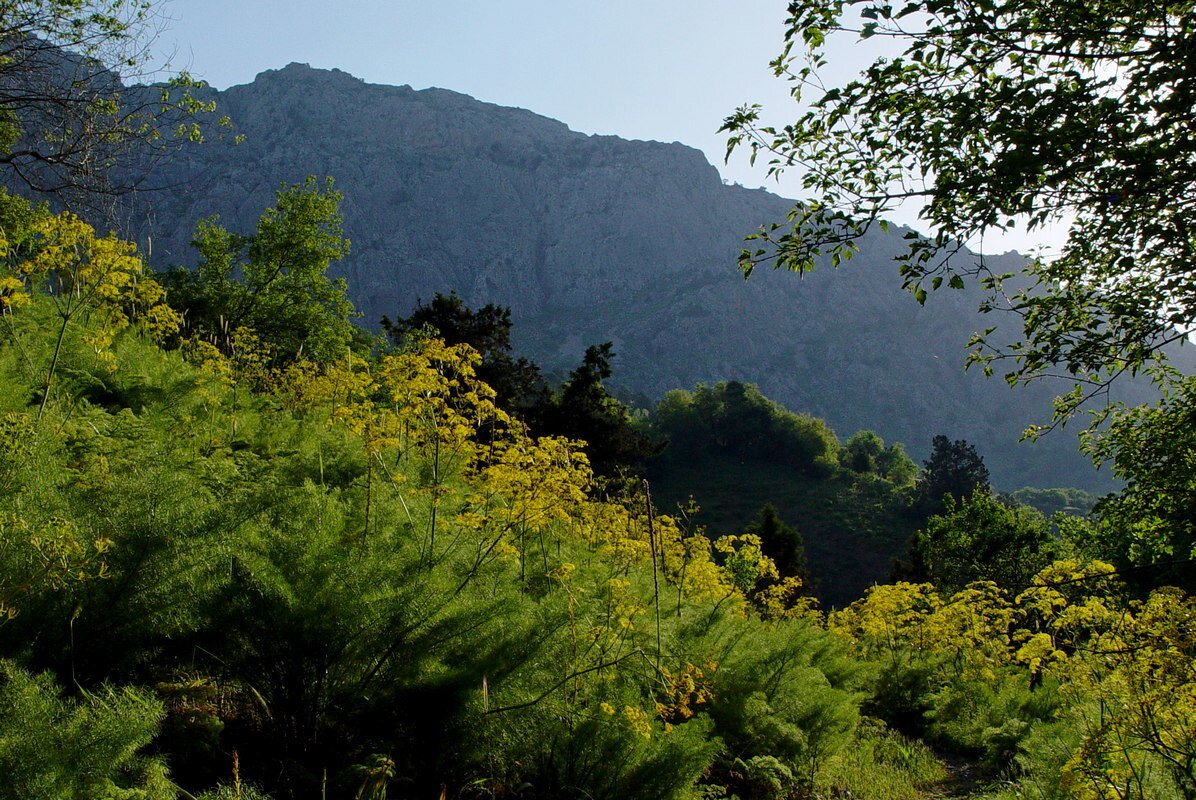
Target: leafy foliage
{"x":1150,"y":525}
{"x":349,"y":576}
{"x":1005,"y":114}
{"x":865,"y":452}
{"x":585,"y":410}
{"x":273,"y":283}
{"x":580,"y":409}
{"x":735,"y":419}
{"x":851,"y":521}
{"x":1059,"y":685}
{"x":982,"y":540}
{"x":340,"y":564}
{"x":66,"y":121}
{"x":1075,"y":502}
{"x":994,"y":116}
{"x":781,"y":543}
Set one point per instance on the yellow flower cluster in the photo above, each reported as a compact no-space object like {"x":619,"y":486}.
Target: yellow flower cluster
{"x":99,"y":274}
{"x":515,"y":495}
{"x":427,"y":397}
{"x":1128,"y":668}
{"x":102,"y":276}
{"x":685,"y":693}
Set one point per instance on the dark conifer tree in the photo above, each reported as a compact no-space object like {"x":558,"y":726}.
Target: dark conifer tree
{"x":954,"y":469}
{"x":584,"y":409}
{"x":581,"y":408}
{"x":519,"y":386}
{"x":782,"y":543}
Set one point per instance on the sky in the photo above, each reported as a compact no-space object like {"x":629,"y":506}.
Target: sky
{"x":667,"y":70}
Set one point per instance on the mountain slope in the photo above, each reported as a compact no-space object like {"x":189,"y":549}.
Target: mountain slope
{"x":590,"y":238}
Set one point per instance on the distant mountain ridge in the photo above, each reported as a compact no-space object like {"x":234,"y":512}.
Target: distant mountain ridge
{"x":595,"y":238}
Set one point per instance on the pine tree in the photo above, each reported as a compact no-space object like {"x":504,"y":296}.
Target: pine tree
{"x":782,"y":543}
{"x":954,"y":469}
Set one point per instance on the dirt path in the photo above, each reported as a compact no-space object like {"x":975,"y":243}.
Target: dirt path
{"x":962,"y":781}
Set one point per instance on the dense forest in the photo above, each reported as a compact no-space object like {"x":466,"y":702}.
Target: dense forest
{"x":250,"y":551}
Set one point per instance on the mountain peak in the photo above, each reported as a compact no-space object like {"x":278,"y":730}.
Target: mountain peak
{"x":302,"y":71}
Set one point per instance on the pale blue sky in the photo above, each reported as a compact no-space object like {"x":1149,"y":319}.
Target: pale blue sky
{"x":668,"y":70}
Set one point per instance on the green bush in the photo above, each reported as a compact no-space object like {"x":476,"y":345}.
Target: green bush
{"x":565,"y":750}
{"x":790,"y":695}
{"x":988,"y":718}
{"x":52,"y":748}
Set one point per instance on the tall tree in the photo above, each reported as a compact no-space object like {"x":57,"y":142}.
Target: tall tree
{"x":1151,"y":525}
{"x":1004,"y":114}
{"x":517,"y":382}
{"x":581,"y":408}
{"x":954,"y":470}
{"x":998,"y":115}
{"x":981,"y":538}
{"x":274,"y":282}
{"x":782,"y":543}
{"x":584,"y":409}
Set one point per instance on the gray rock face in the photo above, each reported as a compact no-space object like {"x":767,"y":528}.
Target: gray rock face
{"x":595,"y":238}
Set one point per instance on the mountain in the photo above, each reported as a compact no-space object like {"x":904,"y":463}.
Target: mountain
{"x":595,"y":238}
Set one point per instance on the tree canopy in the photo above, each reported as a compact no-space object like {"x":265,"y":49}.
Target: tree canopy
{"x":584,"y":409}
{"x":1152,"y":522}
{"x":997,"y":115}
{"x":581,"y":408}
{"x":1019,"y":113}
{"x":66,"y":117}
{"x":865,"y":453}
{"x":982,"y":539}
{"x":954,"y":470}
{"x":782,"y":543}
{"x":272,"y":283}
{"x":736,"y":419}
{"x":517,"y":382}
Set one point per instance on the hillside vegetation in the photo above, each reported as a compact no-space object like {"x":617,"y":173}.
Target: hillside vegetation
{"x":233,"y":566}
{"x":731,"y":451}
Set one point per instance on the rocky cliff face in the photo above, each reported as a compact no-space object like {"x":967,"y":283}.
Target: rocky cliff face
{"x":594,"y":238}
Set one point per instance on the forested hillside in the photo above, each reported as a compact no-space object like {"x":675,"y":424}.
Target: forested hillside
{"x":233,"y":567}
{"x":732,"y":452}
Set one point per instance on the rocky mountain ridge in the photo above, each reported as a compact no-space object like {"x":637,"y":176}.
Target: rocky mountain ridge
{"x":595,"y":238}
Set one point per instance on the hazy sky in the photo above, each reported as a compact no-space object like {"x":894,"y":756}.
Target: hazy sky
{"x":668,"y":70}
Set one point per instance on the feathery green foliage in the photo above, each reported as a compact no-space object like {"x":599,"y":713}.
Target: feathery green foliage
{"x":59,"y":749}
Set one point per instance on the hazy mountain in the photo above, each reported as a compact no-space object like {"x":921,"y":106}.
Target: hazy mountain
{"x":594,"y":238}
